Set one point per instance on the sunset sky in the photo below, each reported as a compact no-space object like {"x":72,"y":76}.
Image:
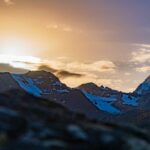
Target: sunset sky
{"x":101,"y":41}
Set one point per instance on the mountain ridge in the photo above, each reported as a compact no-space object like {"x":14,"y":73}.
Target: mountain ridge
{"x":102,"y":103}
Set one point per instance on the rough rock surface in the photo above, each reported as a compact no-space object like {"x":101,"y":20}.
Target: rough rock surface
{"x":31,"y":123}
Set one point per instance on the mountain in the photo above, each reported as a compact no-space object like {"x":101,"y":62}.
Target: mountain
{"x":143,"y":88}
{"x":45,"y":85}
{"x":34,"y":123}
{"x":126,"y":107}
{"x":95,"y":102}
{"x":107,"y":99}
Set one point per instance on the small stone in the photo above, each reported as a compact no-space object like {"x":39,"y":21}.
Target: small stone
{"x":55,"y":144}
{"x":77,"y":132}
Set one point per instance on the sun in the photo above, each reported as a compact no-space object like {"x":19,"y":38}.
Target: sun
{"x":16,"y":52}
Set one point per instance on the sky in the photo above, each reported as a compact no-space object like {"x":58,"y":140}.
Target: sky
{"x":102,"y":41}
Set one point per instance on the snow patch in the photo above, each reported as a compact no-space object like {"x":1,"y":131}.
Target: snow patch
{"x":103,"y":103}
{"x":129,"y":100}
{"x":27,"y":84}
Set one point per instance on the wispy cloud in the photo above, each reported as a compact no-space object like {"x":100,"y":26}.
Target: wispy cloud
{"x":65,"y":74}
{"x":9,"y":2}
{"x":61,"y":27}
{"x":78,"y":69}
{"x":60,"y":73}
{"x":143,"y":45}
{"x":143,"y":69}
{"x":142,"y":55}
{"x":8,"y":68}
{"x":25,"y":62}
{"x":97,"y":66}
{"x":86,"y":72}
{"x":101,"y":66}
{"x":70,"y":72}
{"x":110,"y":82}
{"x":141,"y":58}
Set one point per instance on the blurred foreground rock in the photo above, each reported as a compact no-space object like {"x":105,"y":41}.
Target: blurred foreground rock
{"x":31,"y":123}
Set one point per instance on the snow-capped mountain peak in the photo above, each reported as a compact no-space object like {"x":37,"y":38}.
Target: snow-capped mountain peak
{"x":89,"y":98}
{"x":40,"y":83}
{"x":107,"y":99}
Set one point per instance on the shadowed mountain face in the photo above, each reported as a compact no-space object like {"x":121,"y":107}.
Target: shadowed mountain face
{"x":101,"y":103}
{"x":29,"y":122}
{"x":143,"y":88}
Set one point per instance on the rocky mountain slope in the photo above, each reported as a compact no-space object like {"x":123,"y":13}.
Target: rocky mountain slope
{"x":127,"y":107}
{"x":29,"y":122}
{"x":143,"y":88}
{"x":109,"y":100}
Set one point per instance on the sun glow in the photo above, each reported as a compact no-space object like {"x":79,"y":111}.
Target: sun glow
{"x":25,"y":62}
{"x":15,"y":46}
{"x":16,"y":52}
